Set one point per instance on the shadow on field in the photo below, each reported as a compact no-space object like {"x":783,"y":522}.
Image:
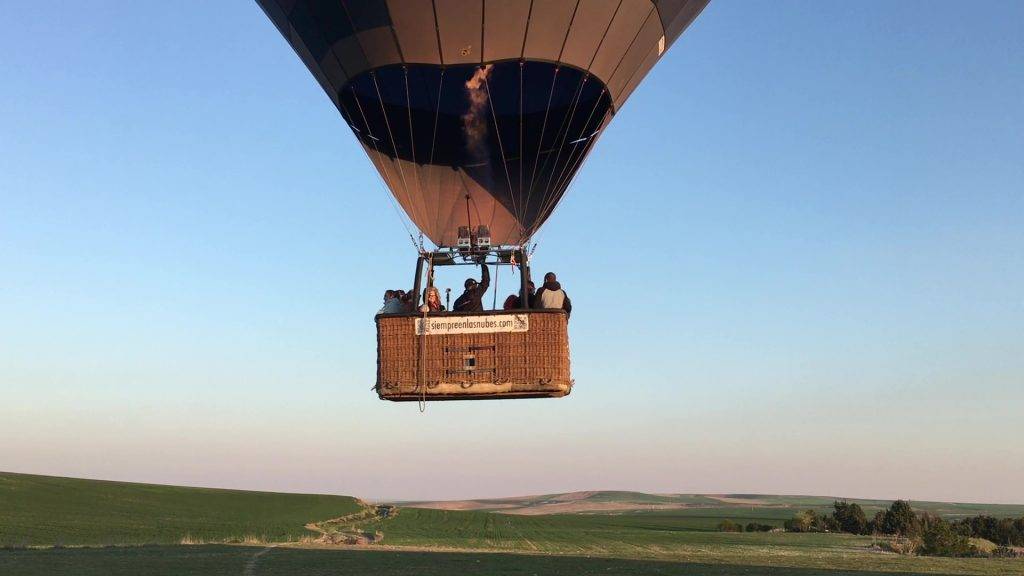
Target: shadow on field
{"x":229,"y":560}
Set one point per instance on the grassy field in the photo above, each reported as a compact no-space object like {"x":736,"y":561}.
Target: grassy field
{"x":46,"y":510}
{"x":240,"y":560}
{"x":683,"y":536}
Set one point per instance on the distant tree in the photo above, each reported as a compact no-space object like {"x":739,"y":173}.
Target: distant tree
{"x":729,"y":526}
{"x":939,"y":539}
{"x":849,"y":517}
{"x":926,"y":520}
{"x":900,"y":519}
{"x":830,"y":524}
{"x":1008,"y":534}
{"x":758,"y":527}
{"x":876,"y":524}
{"x":804,"y":521}
{"x":1002,"y":531}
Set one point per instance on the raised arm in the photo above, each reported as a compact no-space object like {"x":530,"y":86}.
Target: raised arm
{"x":485,"y":279}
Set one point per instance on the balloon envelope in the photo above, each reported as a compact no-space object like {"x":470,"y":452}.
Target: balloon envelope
{"x":479,"y":112}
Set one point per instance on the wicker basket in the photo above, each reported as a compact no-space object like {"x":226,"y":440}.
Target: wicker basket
{"x":462,"y":366}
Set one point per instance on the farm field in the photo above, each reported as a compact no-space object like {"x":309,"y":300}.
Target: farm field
{"x":672,"y":537}
{"x":47,"y":510}
{"x":87,"y":527}
{"x":220,"y":560}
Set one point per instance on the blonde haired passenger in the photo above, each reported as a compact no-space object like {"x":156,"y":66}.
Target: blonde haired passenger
{"x":431,"y":300}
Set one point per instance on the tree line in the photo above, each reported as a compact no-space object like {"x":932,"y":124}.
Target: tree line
{"x":912,"y":532}
{"x":926,"y":533}
{"x":730,"y":526}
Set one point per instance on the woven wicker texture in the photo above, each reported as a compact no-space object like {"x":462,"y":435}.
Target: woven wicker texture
{"x":527,"y":364}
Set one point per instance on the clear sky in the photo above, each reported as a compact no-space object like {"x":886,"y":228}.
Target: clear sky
{"x":796,"y":259}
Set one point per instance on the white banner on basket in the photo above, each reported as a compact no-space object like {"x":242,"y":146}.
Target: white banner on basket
{"x":472,"y":324}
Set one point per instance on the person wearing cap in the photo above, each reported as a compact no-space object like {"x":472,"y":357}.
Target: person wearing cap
{"x":472,"y":298}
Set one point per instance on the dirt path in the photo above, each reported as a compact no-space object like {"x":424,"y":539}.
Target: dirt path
{"x":349,"y":528}
{"x":250,"y":566}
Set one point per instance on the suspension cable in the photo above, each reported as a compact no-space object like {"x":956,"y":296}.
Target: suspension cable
{"x":566,"y":174}
{"x":522,"y":153}
{"x":580,"y":162}
{"x":394,"y":145}
{"x":494,"y":300}
{"x":547,"y":210}
{"x":583,"y":141}
{"x":501,"y":150}
{"x":382,"y":174}
{"x":540,"y":141}
{"x":433,"y":139}
{"x":565,"y":126}
{"x":366,"y":123}
{"x":412,"y":138}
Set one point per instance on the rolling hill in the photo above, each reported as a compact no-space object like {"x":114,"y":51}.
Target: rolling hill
{"x":47,"y":510}
{"x":612,"y":502}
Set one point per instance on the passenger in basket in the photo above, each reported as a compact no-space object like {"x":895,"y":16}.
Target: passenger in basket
{"x":432,"y":301}
{"x":512,"y":302}
{"x":406,"y":299}
{"x":392,"y":304}
{"x":472,"y":299}
{"x":552,"y":296}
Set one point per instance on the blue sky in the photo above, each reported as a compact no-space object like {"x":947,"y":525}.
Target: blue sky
{"x":796,"y":259}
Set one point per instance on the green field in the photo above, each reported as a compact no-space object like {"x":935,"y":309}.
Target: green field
{"x":683,"y":536}
{"x":240,"y":560}
{"x":46,"y":510}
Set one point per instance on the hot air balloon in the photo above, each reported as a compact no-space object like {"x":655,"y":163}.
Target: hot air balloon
{"x":477,"y":114}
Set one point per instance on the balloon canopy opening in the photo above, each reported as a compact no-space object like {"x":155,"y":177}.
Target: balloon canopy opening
{"x":465,"y":146}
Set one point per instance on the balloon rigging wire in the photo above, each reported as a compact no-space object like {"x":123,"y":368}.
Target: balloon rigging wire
{"x":469,"y":200}
{"x":522,"y":65}
{"x":366,"y":125}
{"x":566,"y":179}
{"x":412,"y":138}
{"x":540,"y":141}
{"x":566,"y":123}
{"x":566,"y":175}
{"x":583,"y":138}
{"x":501,"y":150}
{"x":433,"y":139}
{"x":549,"y":194}
{"x":494,"y":300}
{"x":581,"y":161}
{"x":394,"y":146}
{"x":381,"y":173}
{"x":545,"y":212}
{"x":583,"y":157}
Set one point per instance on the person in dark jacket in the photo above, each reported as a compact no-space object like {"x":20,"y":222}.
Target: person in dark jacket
{"x":551,"y":295}
{"x":512,"y":302}
{"x":472,"y":299}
